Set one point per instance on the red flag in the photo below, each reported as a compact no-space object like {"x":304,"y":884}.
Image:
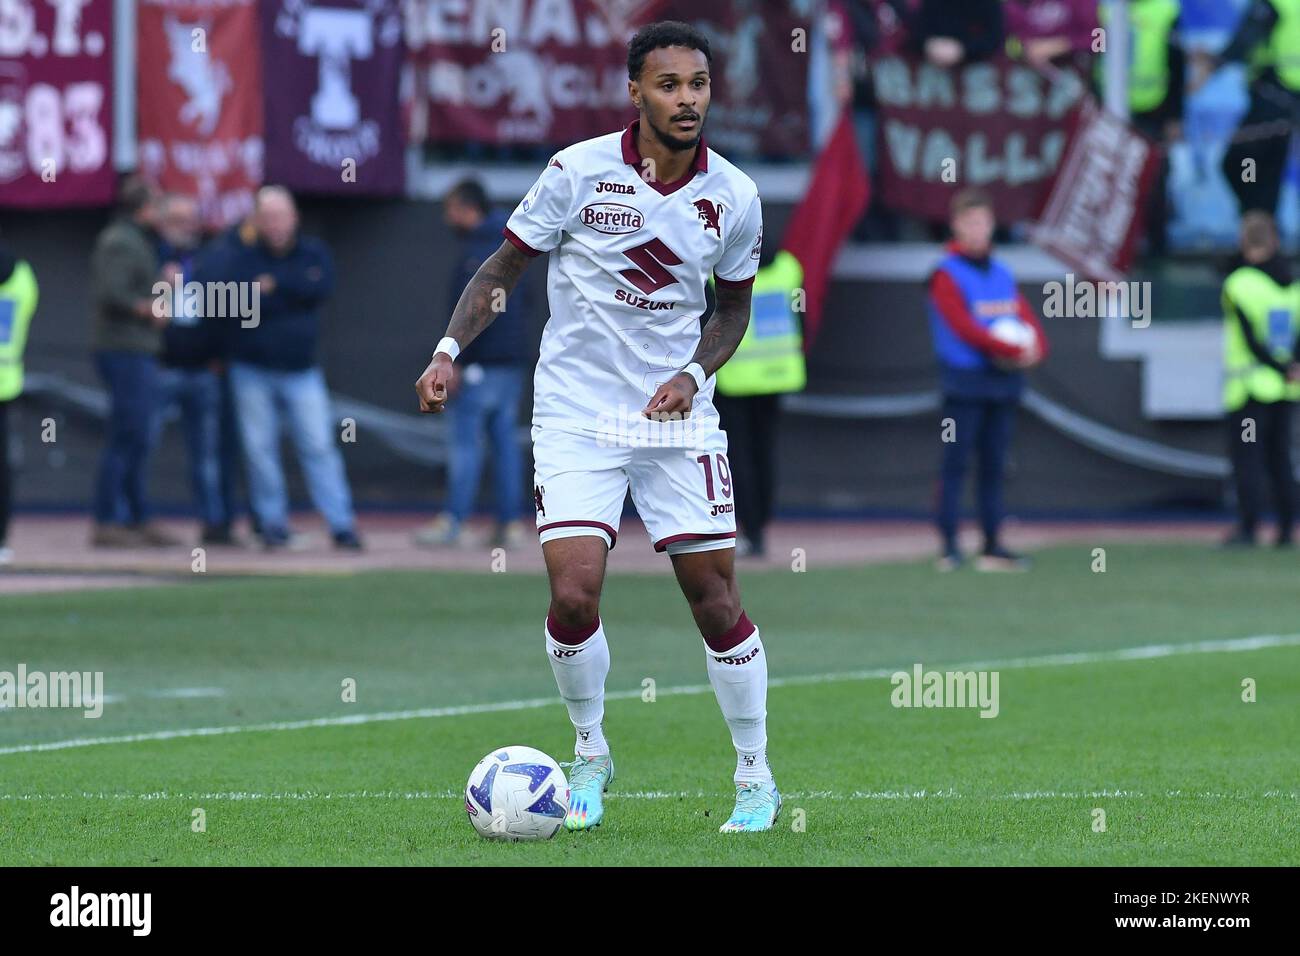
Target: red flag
{"x":836,"y":198}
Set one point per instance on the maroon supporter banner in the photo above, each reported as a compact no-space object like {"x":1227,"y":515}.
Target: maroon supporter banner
{"x":200,"y":102}
{"x":56,"y":103}
{"x":333,"y":121}
{"x":555,"y":71}
{"x":759,"y":76}
{"x":1094,"y":214}
{"x":999,"y":125}
{"x":534,"y":71}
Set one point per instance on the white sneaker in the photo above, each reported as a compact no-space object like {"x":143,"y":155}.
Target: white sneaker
{"x":441,"y":532}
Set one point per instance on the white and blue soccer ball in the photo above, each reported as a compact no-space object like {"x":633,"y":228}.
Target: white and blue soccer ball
{"x":517,"y":793}
{"x":1013,"y":331}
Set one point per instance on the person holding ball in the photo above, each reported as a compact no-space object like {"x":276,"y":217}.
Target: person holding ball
{"x":985,"y":337}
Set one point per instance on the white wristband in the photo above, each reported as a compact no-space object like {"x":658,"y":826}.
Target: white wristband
{"x":696,"y":371}
{"x":448,"y":345}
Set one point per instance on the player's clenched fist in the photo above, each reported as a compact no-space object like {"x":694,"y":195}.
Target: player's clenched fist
{"x":673,"y":396}
{"x":434,"y":386}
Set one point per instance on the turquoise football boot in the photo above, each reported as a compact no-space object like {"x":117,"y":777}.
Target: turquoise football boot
{"x":589,"y":778}
{"x":757,"y":807}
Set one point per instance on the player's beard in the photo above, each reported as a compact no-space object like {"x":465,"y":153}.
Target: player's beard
{"x":674,"y":143}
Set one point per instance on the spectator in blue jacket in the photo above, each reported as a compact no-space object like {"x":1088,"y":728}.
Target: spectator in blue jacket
{"x":488,"y":384}
{"x":274,"y":371}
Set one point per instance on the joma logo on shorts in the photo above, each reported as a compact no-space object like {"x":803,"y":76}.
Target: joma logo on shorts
{"x":739,"y":660}
{"x":722,"y":510}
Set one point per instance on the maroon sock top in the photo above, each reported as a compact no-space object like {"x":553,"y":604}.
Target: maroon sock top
{"x":570,"y":635}
{"x":738,"y":634}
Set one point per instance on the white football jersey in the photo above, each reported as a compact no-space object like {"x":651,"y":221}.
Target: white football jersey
{"x":629,"y":263}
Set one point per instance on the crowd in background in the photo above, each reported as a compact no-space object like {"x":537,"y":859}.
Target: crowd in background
{"x":236,"y":377}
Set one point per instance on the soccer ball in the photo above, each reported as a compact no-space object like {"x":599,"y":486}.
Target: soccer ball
{"x":517,"y":793}
{"x":1009,"y":329}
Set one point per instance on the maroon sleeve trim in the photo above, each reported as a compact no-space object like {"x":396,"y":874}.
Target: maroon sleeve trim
{"x":519,"y":244}
{"x":733,"y":283}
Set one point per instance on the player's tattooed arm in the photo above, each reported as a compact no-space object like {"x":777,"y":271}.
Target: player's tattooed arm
{"x":483,"y":299}
{"x":718,"y":342}
{"x":722,"y":334}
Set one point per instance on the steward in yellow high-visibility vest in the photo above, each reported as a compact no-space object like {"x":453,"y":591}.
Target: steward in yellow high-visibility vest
{"x":1267,"y":42}
{"x":1155,"y":64}
{"x":18,"y":295}
{"x":768,"y":362}
{"x":1156,"y":91}
{"x":769,"y":358}
{"x":1261,"y":375}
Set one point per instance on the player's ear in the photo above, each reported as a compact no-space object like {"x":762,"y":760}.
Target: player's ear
{"x":634,"y":92}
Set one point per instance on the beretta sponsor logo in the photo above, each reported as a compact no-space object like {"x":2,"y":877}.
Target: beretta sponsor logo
{"x":611,"y":218}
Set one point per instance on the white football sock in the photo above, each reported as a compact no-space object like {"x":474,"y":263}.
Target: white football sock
{"x":580,"y":671}
{"x":739,"y":679}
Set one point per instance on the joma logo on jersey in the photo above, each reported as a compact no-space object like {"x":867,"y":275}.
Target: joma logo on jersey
{"x":641,"y":302}
{"x":611,"y":218}
{"x":624,"y":188}
{"x":710,"y":215}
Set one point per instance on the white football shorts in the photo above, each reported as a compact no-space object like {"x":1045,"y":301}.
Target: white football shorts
{"x":683,"y":495}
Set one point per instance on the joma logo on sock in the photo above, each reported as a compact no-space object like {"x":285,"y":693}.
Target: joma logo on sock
{"x":561,"y":652}
{"x":922,"y":688}
{"x":739,"y":660}
{"x":102,"y":909}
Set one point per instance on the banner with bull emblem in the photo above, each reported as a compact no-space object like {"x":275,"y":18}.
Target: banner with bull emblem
{"x":56,"y":103}
{"x":200,"y":102}
{"x":333,"y":119}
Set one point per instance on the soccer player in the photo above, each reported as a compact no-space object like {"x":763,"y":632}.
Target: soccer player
{"x":635,"y":223}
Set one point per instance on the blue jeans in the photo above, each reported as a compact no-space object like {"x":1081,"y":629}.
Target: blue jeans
{"x":197,"y":392}
{"x":132,"y":381}
{"x":982,"y":426}
{"x":491,"y":404}
{"x":262,"y":396}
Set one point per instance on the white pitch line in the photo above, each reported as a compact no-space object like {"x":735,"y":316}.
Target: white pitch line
{"x":948,"y":794}
{"x":1145,"y":652}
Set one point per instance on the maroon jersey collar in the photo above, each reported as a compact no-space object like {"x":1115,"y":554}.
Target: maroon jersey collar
{"x":632,"y":156}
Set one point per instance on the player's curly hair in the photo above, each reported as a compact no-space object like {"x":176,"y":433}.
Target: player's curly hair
{"x":653,"y":36}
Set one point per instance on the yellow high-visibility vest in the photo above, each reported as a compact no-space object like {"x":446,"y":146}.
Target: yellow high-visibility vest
{"x":1150,"y":23}
{"x":1273,"y":312}
{"x":18,"y":295}
{"x":769,"y":358}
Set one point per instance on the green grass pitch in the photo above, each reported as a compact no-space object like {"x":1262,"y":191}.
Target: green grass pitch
{"x":1185,"y":771}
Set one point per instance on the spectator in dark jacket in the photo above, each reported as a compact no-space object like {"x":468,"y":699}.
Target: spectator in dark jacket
{"x":127,"y":338}
{"x":952,"y":32}
{"x":274,"y":370}
{"x":489,"y":382}
{"x":188,"y":379}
